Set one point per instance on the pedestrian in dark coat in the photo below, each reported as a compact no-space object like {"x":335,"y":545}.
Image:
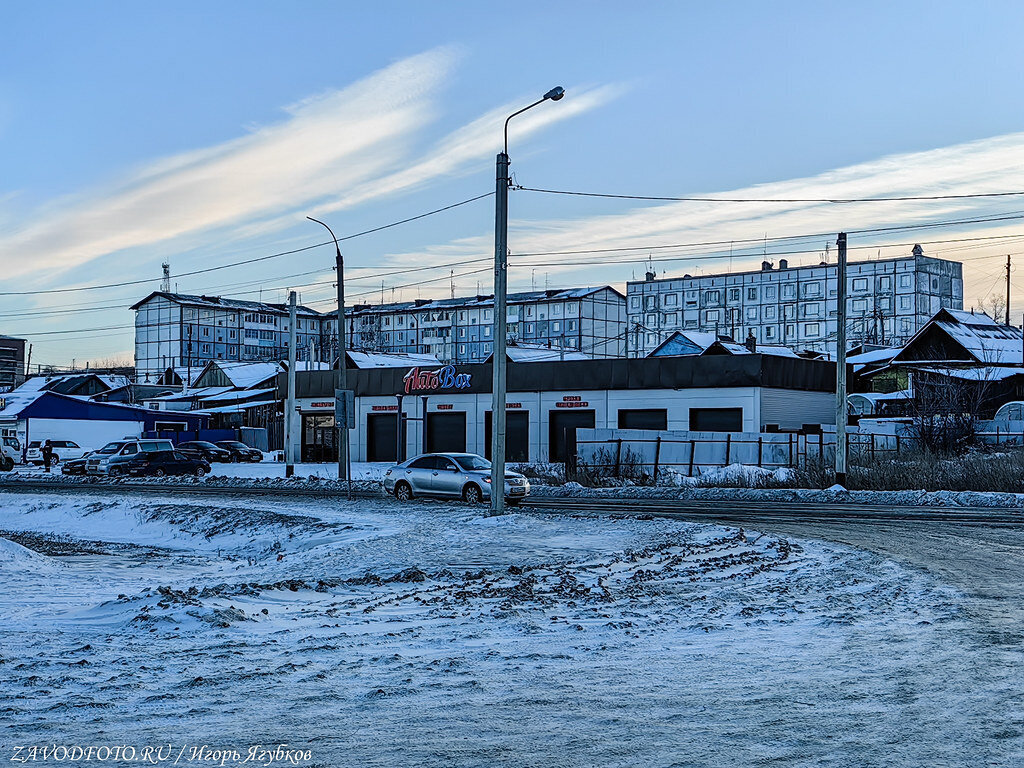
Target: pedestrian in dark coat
{"x":47,"y":455}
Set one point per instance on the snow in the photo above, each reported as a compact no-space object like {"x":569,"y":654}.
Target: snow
{"x":245,"y":375}
{"x":984,"y":338}
{"x":383,"y":360}
{"x":376,"y":635}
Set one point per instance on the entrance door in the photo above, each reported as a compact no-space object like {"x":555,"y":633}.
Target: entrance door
{"x":319,"y":439}
{"x":380,"y":436}
{"x":446,"y":432}
{"x":562,"y":426}
{"x":517,"y":436}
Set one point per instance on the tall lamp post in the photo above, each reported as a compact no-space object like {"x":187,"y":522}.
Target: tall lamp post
{"x":500,"y":320}
{"x":339,"y":265}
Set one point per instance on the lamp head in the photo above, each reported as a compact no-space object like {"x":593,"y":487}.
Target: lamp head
{"x":555,"y":93}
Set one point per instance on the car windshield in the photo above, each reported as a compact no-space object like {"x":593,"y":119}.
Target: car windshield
{"x":231,"y":444}
{"x":110,"y":448}
{"x":34,"y":444}
{"x":473,"y":462}
{"x":150,"y":447}
{"x":203,"y":444}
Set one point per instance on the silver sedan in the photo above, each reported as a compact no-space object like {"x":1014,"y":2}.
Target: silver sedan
{"x":451,"y":475}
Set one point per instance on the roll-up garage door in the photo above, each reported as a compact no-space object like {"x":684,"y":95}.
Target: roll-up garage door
{"x":517,"y":436}
{"x":643,"y":418}
{"x":380,"y":437}
{"x":446,"y":432}
{"x":562,"y":431}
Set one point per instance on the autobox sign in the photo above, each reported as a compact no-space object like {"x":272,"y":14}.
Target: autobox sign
{"x":448,"y":377}
{"x":572,"y":401}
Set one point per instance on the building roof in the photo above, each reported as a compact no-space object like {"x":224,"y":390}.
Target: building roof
{"x":468,"y":302}
{"x":238,"y":395}
{"x":977,"y":339}
{"x":874,"y":356}
{"x":387,"y":360}
{"x":219,"y":302}
{"x":540,"y":353}
{"x":735,"y":348}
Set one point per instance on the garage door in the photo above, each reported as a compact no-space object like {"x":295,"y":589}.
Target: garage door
{"x":643,"y":418}
{"x":380,"y":437}
{"x":517,"y":436}
{"x":716,"y":419}
{"x":562,"y":426}
{"x":446,"y":432}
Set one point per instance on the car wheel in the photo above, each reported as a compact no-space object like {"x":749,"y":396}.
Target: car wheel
{"x":6,"y":464}
{"x":159,"y":473}
{"x":200,"y":471}
{"x":471,"y":494}
{"x":403,"y":491}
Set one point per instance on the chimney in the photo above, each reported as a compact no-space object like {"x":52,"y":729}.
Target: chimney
{"x":918,"y":251}
{"x":751,"y":342}
{"x":783,"y":263}
{"x":766,"y":266}
{"x":649,"y":277}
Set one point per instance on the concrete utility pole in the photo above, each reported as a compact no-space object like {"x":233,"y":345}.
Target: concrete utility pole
{"x":499,"y":334}
{"x":344,"y":466}
{"x":1007,"y":289}
{"x":289,"y":405}
{"x":841,"y":362}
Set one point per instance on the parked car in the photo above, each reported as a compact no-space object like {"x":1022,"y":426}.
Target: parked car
{"x":451,"y":475}
{"x":240,"y":451}
{"x":204,"y":450}
{"x":158,"y":464}
{"x":62,"y":451}
{"x":98,"y":461}
{"x":75,"y":466}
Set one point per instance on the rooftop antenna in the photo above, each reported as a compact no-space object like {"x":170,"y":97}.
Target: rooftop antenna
{"x":765,"y":245}
{"x":381,"y":291}
{"x":165,"y":284}
{"x":453,"y":283}
{"x":533,"y":279}
{"x":828,"y":245}
{"x":730,"y":255}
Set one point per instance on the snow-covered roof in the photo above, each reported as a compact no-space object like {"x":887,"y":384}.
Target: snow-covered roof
{"x":982,"y":373}
{"x":982,"y":337}
{"x":17,"y":401}
{"x":245,"y":394}
{"x":761,"y":349}
{"x":244,"y":375}
{"x":202,"y":392}
{"x":881,"y":397}
{"x":233,"y":408}
{"x":536,"y":353}
{"x":462,"y":302}
{"x":219,"y":302}
{"x":874,"y":356}
{"x":389,"y":360}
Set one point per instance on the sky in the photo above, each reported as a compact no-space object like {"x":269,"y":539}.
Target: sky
{"x":202,"y":134}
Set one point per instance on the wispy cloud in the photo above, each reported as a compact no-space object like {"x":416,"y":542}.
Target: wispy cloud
{"x":989,"y":165}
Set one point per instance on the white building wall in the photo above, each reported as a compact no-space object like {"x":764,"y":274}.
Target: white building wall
{"x":88,"y":433}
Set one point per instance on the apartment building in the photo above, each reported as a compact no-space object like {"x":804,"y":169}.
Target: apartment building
{"x":888,"y":301}
{"x":12,"y":362}
{"x":458,"y":330}
{"x":183,"y":331}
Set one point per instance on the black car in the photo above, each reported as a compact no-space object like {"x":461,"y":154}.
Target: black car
{"x":158,"y":464}
{"x":204,"y":450}
{"x":74,"y":467}
{"x":240,"y":451}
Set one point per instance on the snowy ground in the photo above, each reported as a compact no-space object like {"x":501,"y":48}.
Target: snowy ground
{"x":379,"y":635}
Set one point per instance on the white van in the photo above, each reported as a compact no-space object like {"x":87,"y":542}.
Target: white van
{"x":98,"y":462}
{"x":10,"y":450}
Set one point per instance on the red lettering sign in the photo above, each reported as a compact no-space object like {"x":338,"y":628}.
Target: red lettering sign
{"x":572,"y":404}
{"x":513,"y":405}
{"x":445,"y":407}
{"x":571,"y":398}
{"x":321,"y":405}
{"x":448,"y":377}
{"x":384,"y":408}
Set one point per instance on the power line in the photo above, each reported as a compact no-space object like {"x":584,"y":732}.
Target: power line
{"x":659,"y":198}
{"x":253,"y":260}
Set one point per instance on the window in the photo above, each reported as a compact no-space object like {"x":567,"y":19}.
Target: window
{"x":769,"y":332}
{"x":905,"y":302}
{"x":812,"y":329}
{"x":906,"y":280}
{"x":860,"y":284}
{"x":529,"y":313}
{"x":652,"y":320}
{"x":462,"y":349}
{"x":712,"y":297}
{"x":462,"y":333}
{"x":529,"y":327}
{"x":711,"y":316}
{"x":769,"y":313}
{"x":652,"y":338}
{"x":556,"y":326}
{"x":716,"y":419}
{"x":884,"y":283}
{"x":734,"y":294}
{"x":769,"y":292}
{"x":570,"y":308}
{"x":812,"y":289}
{"x":789,"y":291}
{"x":650,"y":302}
{"x":487,"y":330}
{"x":860,"y":305}
{"x":751,"y":294}
{"x":812,"y":310}
{"x":634,"y":302}
{"x":671,"y":300}
{"x":751,"y":313}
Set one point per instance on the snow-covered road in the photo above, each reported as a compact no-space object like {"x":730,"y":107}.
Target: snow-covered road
{"x":374,"y":634}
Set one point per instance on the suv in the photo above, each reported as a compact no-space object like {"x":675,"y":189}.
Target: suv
{"x":457,"y":475}
{"x":98,"y":462}
{"x":62,"y":451}
{"x":158,"y":464}
{"x":240,"y":451}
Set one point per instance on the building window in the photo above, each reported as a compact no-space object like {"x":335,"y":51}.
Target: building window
{"x":769,"y":292}
{"x":751,"y":294}
{"x":652,"y":338}
{"x":572,"y":325}
{"x":905,"y":302}
{"x":906,"y":281}
{"x":650,"y":302}
{"x":769,"y":313}
{"x":751,"y":313}
{"x":556,"y":326}
{"x":860,"y":284}
{"x":711,"y":316}
{"x":812,"y":310}
{"x":634,"y":302}
{"x":884,"y":283}
{"x":769,"y":332}
{"x":712,"y":297}
{"x":671,"y":300}
{"x":570,"y":308}
{"x":734,"y":294}
{"x":860,"y":305}
{"x":789,"y":291}
{"x":811,"y":329}
{"x":812,"y":289}
{"x":652,"y":320}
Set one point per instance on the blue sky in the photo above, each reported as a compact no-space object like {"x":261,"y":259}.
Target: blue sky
{"x":203,"y":133}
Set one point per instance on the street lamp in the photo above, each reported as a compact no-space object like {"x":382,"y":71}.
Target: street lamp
{"x":339,"y":265}
{"x":499,"y":331}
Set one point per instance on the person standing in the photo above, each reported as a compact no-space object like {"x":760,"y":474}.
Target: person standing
{"x":47,"y":455}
